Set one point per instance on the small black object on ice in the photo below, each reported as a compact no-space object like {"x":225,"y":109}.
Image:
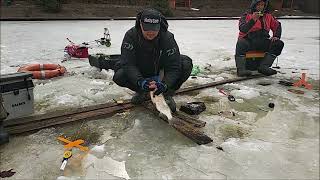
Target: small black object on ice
{"x":286,"y":83}
{"x":231,"y":98}
{"x":271,"y":105}
{"x":193,"y":108}
{"x":9,"y":173}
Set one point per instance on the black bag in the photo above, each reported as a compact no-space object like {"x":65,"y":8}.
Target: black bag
{"x":193,"y":108}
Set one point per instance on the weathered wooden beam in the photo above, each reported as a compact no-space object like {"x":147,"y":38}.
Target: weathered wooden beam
{"x":203,"y":86}
{"x":35,"y":122}
{"x":194,"y":134}
{"x":62,"y":119}
{"x":60,"y":113}
{"x":184,"y":126}
{"x":189,"y":119}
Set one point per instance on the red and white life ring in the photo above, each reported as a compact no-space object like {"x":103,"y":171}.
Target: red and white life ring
{"x":43,"y":71}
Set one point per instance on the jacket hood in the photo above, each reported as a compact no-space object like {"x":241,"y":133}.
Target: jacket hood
{"x":163,"y":22}
{"x":254,"y":3}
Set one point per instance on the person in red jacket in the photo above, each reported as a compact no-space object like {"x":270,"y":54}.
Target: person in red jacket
{"x":254,"y":27}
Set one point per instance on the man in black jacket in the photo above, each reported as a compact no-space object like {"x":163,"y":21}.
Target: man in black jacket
{"x":147,"y":49}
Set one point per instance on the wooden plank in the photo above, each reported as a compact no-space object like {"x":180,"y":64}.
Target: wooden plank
{"x":194,"y":134}
{"x":187,"y":129}
{"x":55,"y":114}
{"x":189,"y":119}
{"x":44,"y":123}
{"x":35,"y":122}
{"x":203,"y":86}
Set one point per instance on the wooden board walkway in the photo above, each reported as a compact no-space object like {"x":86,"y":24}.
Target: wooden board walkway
{"x":188,"y":126}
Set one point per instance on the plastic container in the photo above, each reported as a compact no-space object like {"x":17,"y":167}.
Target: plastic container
{"x":17,"y":93}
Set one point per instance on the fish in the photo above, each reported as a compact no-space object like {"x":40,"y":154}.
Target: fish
{"x":161,"y":106}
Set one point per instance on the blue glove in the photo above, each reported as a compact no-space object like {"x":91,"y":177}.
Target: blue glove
{"x":144,"y":84}
{"x":161,"y":88}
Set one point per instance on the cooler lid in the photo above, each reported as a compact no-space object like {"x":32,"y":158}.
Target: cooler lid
{"x":14,"y":76}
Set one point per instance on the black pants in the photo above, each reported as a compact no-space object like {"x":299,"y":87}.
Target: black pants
{"x":121,"y":79}
{"x":265,"y":45}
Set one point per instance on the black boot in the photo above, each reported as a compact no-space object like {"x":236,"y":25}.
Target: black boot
{"x":139,"y":98}
{"x":4,"y":136}
{"x":265,"y":65}
{"x":241,"y":66}
{"x":94,"y":61}
{"x":171,"y":103}
{"x":108,"y":64}
{"x":169,"y":100}
{"x":102,"y":62}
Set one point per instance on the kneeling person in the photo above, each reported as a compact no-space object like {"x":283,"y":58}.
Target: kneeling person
{"x":147,"y":49}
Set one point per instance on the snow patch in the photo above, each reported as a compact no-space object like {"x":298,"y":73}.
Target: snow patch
{"x":236,"y":144}
{"x":65,"y":99}
{"x":247,"y":93}
{"x":98,"y":149}
{"x":67,"y":178}
{"x":107,"y":165}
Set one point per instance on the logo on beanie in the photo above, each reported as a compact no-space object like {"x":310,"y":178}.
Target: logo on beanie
{"x":152,"y":21}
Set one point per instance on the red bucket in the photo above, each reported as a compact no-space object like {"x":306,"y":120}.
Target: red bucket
{"x":77,"y":51}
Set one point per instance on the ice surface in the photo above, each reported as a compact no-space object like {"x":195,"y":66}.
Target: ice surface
{"x":107,"y":165}
{"x":258,"y":142}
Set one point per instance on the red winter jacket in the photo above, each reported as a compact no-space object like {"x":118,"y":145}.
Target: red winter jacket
{"x":261,"y":28}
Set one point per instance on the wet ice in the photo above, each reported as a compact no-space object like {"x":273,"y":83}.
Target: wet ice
{"x":282,"y":142}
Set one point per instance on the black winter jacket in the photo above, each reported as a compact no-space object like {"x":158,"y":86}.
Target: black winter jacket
{"x":141,"y":58}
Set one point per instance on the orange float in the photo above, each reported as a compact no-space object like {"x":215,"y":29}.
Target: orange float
{"x":43,"y":71}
